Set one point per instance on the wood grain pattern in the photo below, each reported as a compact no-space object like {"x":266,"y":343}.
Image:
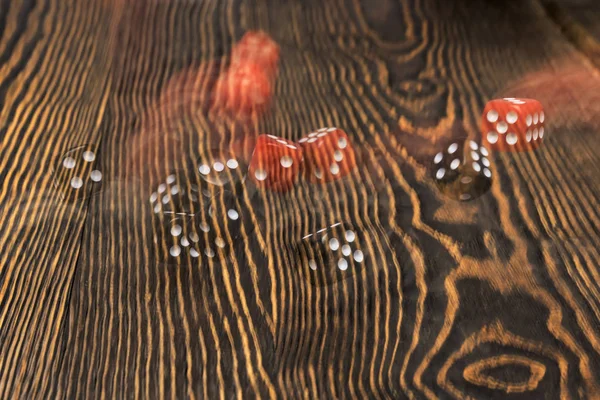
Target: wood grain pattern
{"x":495,"y":298}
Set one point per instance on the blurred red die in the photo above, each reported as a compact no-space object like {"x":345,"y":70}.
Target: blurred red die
{"x":257,"y":47}
{"x":512,"y":124}
{"x":243,"y":89}
{"x":275,"y":163}
{"x":328,"y":155}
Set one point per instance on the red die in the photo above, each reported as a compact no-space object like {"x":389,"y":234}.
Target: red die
{"x":275,"y":163}
{"x":258,"y":48}
{"x":513,"y":124}
{"x":242,"y":89}
{"x":329,"y":155}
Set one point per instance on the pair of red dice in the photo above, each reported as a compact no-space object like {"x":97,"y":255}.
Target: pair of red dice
{"x":322,"y":156}
{"x":512,"y":124}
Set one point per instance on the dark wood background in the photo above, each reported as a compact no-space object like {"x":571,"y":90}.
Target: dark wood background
{"x":495,"y":298}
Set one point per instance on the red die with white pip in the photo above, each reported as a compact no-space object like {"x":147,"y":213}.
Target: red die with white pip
{"x":258,"y":48}
{"x":512,"y":124}
{"x":275,"y":163}
{"x":329,"y":155}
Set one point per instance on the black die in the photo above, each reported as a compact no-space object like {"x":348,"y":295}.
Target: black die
{"x":76,"y":173}
{"x":462,"y":170}
{"x":331,"y":254}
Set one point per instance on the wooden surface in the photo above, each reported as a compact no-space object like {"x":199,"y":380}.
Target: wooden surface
{"x":495,"y":298}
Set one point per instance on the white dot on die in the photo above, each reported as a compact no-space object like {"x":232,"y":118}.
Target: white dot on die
{"x":194,"y":253}
{"x":302,"y":140}
{"x":69,"y":162}
{"x":89,"y":156}
{"x":176,"y":230}
{"x":218,"y":166}
{"x":170,"y":179}
{"x":475,"y":155}
{"x":528,"y":136}
{"x":473,"y":145}
{"x":260,"y":174}
{"x":153,"y":197}
{"x":157,"y":208}
{"x":331,"y":129}
{"x":204,"y":227}
{"x":334,"y":168}
{"x":286,"y":161}
{"x":342,"y":143}
{"x":334,"y":244}
{"x":511,"y":138}
{"x":492,"y":137}
{"x":487,"y":172}
{"x":184,"y":242}
{"x":492,"y":116}
{"x":342,"y":264}
{"x":318,"y":173}
{"x":232,"y":214}
{"x":220,"y":242}
{"x":209,"y":252}
{"x":312,"y":264}
{"x":476,"y":167}
{"x":484,"y":151}
{"x":338,"y":155}
{"x":452,"y":148}
{"x":194,"y":237}
{"x":96,"y":175}
{"x":312,"y":140}
{"x":273,"y":137}
{"x":454,"y":164}
{"x":529,"y":120}
{"x":466,"y":180}
{"x":511,"y":117}
{"x":175,"y":189}
{"x":541,"y":132}
{"x":535,"y":118}
{"x":535,"y":134}
{"x":166,"y":199}
{"x":438,"y":158}
{"x":204,"y":169}
{"x":346,"y":250}
{"x":76,"y":182}
{"x":485,"y":162}
{"x":440,"y":173}
{"x":350,"y":236}
{"x":502,"y":127}
{"x":542,"y":117}
{"x":175,"y":251}
{"x":359,"y":256}
{"x":312,"y":134}
{"x":161,"y":188}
